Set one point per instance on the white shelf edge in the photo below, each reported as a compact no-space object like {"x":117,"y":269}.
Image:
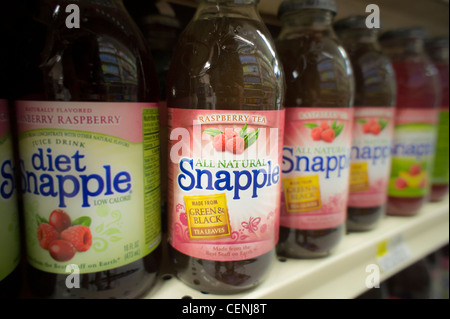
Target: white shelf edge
{"x":341,"y":275}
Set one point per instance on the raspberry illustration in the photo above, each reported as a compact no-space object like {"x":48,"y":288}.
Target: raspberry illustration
{"x":324,"y":126}
{"x":183,"y":219}
{"x":61,"y":250}
{"x":400,"y":183}
{"x":60,"y":220}
{"x":328,"y":135}
{"x":230,"y":133}
{"x":375,"y":129}
{"x":415,"y":169}
{"x":46,"y":234}
{"x":79,"y":236}
{"x":219,"y":142}
{"x":235,"y":145}
{"x":366,"y":128}
{"x":316,"y":133}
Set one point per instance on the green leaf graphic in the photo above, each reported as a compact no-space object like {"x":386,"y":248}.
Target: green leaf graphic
{"x":383,"y":123}
{"x":243,"y":131}
{"x":212,"y":131}
{"x":310,"y":125}
{"x":84,"y":221}
{"x":251,"y":138}
{"x":338,"y":130}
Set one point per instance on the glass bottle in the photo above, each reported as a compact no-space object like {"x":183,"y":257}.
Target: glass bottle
{"x":225,"y":96}
{"x":318,"y":131}
{"x":10,"y":235}
{"x":375,"y":94}
{"x":89,"y":156}
{"x":437,"y":49}
{"x":416,"y":120}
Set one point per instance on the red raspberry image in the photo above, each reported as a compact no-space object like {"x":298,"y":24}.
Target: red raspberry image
{"x":415,"y":169}
{"x":366,"y":128}
{"x":328,"y":135}
{"x":375,"y":129}
{"x":79,"y":236}
{"x":46,"y":234}
{"x":219,"y":142}
{"x":60,"y":220}
{"x":324,"y":126}
{"x":236,"y":145}
{"x":316,"y":133}
{"x":183,"y":219}
{"x":400,"y":183}
{"x":230,"y":133}
{"x":61,"y":250}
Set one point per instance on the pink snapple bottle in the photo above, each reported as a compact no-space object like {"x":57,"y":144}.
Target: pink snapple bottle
{"x":225,"y":101}
{"x":373,"y":127}
{"x":418,"y":96}
{"x":89,"y":156}
{"x":437,"y":49}
{"x":318,"y":130}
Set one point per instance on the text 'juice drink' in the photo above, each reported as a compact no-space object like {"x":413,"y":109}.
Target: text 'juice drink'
{"x":437,"y":49}
{"x":89,"y":157}
{"x":373,"y":127}
{"x":413,"y":150}
{"x":318,"y":131}
{"x":225,"y":95}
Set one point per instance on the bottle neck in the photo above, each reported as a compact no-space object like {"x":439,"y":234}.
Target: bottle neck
{"x":401,"y":47}
{"x":367,"y":38}
{"x":308,"y":19}
{"x":209,"y":9}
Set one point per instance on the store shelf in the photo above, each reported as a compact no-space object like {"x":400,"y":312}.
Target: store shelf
{"x":396,"y":243}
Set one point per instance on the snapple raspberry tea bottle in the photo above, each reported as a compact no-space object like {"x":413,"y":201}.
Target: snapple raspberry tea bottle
{"x":89,"y":157}
{"x":318,"y":131}
{"x":373,"y":126}
{"x":225,"y":96}
{"x":416,"y":121}
{"x":437,"y":49}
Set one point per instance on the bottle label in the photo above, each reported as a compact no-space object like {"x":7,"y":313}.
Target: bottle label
{"x":224,"y":182}
{"x":441,"y":163}
{"x":413,"y":153}
{"x":370,"y":166}
{"x":90,"y":182}
{"x":316,"y":167}
{"x":9,"y":214}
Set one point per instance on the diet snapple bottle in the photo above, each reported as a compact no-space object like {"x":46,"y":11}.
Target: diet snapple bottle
{"x":373,"y":127}
{"x":89,"y":157}
{"x":225,"y":95}
{"x":416,"y":120}
{"x":318,"y":131}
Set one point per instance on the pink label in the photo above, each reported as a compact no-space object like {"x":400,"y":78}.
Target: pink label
{"x":117,"y":119}
{"x":4,"y":117}
{"x":224,"y":182}
{"x":373,"y":131}
{"x":316,"y":161}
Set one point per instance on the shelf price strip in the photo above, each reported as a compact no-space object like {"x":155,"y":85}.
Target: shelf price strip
{"x":392,"y":252}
